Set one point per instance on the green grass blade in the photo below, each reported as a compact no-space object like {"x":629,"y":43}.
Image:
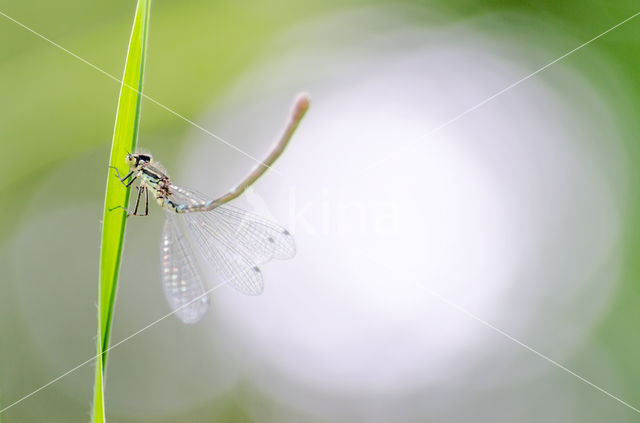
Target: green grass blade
{"x":124,"y":141}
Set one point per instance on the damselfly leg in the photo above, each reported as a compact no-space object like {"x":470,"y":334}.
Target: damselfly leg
{"x":146,"y":201}
{"x":128,"y":184}
{"x":138,"y":198}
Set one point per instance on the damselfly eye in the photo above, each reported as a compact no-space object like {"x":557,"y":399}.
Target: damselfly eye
{"x":130,"y":160}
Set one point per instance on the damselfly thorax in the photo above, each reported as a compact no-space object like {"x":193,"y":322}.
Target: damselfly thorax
{"x":153,"y":180}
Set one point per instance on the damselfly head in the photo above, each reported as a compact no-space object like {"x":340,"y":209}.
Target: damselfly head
{"x":136,"y":159}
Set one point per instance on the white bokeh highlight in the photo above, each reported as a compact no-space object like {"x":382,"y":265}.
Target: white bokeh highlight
{"x":508,"y":213}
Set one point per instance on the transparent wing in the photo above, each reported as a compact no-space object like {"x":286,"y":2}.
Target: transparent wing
{"x":235,"y":241}
{"x":181,"y":281}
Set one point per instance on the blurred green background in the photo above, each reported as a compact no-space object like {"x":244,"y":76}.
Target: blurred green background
{"x":57,"y":113}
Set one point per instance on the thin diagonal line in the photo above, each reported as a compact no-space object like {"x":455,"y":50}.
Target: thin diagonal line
{"x":138,"y":332}
{"x":522,"y":344}
{"x":499,"y":93}
{"x":154,"y":101}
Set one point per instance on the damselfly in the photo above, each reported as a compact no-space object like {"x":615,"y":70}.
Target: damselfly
{"x":234,"y":241}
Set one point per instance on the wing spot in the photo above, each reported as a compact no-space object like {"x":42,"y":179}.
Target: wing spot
{"x":271,"y":240}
